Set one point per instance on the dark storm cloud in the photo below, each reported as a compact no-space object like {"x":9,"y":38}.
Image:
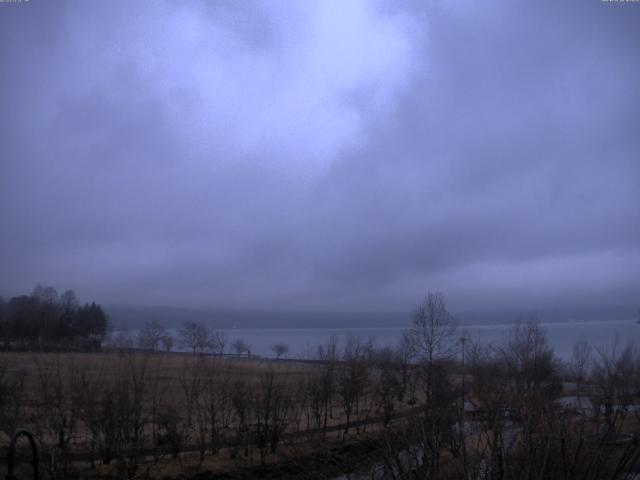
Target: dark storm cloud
{"x":319,"y":155}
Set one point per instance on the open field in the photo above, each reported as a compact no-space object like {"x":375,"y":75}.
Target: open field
{"x":170,"y":411}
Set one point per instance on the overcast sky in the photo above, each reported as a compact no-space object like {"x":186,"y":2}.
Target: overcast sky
{"x":321,"y":154}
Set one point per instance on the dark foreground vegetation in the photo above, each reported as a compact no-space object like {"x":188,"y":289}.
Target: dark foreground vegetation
{"x":434,"y":407}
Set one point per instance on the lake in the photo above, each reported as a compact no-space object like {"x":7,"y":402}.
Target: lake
{"x":303,"y":342}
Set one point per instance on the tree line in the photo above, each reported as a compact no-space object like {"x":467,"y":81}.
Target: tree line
{"x":45,"y":320}
{"x":194,"y":337}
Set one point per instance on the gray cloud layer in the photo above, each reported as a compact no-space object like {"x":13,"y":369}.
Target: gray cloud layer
{"x":321,"y":155}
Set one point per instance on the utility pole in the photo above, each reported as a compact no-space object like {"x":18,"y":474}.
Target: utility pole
{"x":463,"y":341}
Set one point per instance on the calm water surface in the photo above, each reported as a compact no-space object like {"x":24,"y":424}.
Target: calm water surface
{"x":303,"y":342}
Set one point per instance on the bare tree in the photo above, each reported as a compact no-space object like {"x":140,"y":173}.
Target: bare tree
{"x":132,"y":395}
{"x":387,"y":385}
{"x":529,"y":356}
{"x":329,"y":352}
{"x":490,"y":386}
{"x":150,"y":335}
{"x":217,"y":342}
{"x":616,"y":372}
{"x":404,"y":353}
{"x":241,"y":396}
{"x":430,"y":340}
{"x":300,"y":401}
{"x":218,"y":402}
{"x":271,"y":403}
{"x":323,"y":382}
{"x":353,"y":377}
{"x":181,"y":415}
{"x":12,"y":394}
{"x":240,"y":346}
{"x":279,"y":349}
{"x":167,"y":342}
{"x":88,"y":411}
{"x":432,"y":336}
{"x":194,"y":336}
{"x":580,"y":359}
{"x":56,"y":411}
{"x":532,"y":370}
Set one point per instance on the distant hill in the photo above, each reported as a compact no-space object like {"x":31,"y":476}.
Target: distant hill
{"x":134,"y":316}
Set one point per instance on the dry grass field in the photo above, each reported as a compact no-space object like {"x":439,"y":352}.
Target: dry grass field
{"x":119,"y":414}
